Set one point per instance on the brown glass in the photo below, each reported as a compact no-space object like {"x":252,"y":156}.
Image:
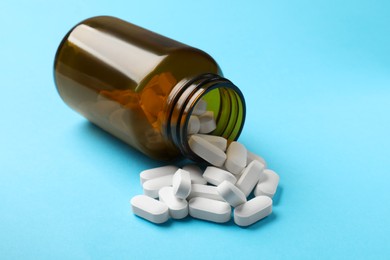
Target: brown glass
{"x":141,"y":86}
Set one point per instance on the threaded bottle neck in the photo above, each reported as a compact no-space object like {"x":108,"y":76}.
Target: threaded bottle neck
{"x":222,"y":97}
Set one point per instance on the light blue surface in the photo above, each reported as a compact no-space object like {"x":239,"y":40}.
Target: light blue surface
{"x":316,"y":77}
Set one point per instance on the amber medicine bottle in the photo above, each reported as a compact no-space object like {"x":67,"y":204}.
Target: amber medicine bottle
{"x":142,"y":87}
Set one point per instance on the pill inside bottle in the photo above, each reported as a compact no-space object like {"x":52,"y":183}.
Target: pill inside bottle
{"x":144,"y":88}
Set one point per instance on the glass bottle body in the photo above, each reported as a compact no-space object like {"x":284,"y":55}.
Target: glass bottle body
{"x":135,"y":84}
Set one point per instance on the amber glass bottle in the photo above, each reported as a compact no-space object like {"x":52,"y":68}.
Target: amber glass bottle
{"x":141,"y":86}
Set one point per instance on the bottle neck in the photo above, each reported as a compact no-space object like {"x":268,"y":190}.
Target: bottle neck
{"x":222,"y":97}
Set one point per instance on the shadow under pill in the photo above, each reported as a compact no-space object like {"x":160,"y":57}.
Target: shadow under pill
{"x":278,"y":195}
{"x":231,"y":221}
{"x":166,"y":224}
{"x":187,"y":219}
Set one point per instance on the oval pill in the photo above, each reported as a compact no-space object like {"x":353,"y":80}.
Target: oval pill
{"x":200,"y":108}
{"x":250,"y":176}
{"x":268,"y":185}
{"x":154,"y":140}
{"x":193,"y":125}
{"x":181,"y":183}
{"x":195,"y":174}
{"x":116,"y":119}
{"x":150,"y":209}
{"x":157,"y":172}
{"x":218,"y":141}
{"x":105,"y":108}
{"x":207,"y":122}
{"x":151,"y":187}
{"x":216,"y":175}
{"x":251,"y":157}
{"x":236,"y":157}
{"x":233,"y":195}
{"x":204,"y":191}
{"x":252,"y":211}
{"x":208,"y":209}
{"x":207,"y":151}
{"x":178,"y":208}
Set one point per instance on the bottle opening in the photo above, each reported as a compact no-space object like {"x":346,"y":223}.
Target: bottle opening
{"x":227,"y":106}
{"x":221,"y":97}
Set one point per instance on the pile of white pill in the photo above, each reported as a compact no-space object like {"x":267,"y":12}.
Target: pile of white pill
{"x":201,"y":120}
{"x":210,"y":194}
{"x":234,"y":172}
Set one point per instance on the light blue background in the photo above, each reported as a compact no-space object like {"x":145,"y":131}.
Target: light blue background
{"x":316,"y":77}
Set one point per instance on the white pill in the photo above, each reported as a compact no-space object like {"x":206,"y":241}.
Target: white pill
{"x":218,"y":141}
{"x":157,"y":172}
{"x":200,"y":107}
{"x":102,"y":97}
{"x":204,"y":191}
{"x":208,"y":209}
{"x":268,"y":185}
{"x":252,"y":211}
{"x":195,"y":174}
{"x":150,"y":209}
{"x":251,"y":157}
{"x":233,"y":195}
{"x":105,"y":108}
{"x":235,"y":158}
{"x":154,"y":140}
{"x":250,"y":176}
{"x":216,"y":176}
{"x":86,"y":108}
{"x":193,"y":125}
{"x":178,"y":208}
{"x":116,"y":119}
{"x":207,"y":151}
{"x":181,"y":183}
{"x":151,"y":187}
{"x":207,"y":122}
